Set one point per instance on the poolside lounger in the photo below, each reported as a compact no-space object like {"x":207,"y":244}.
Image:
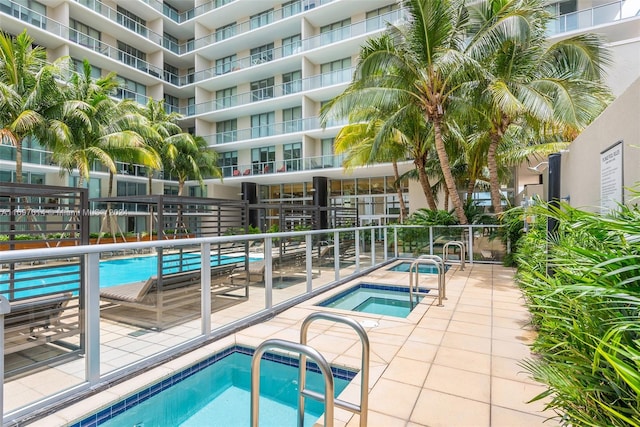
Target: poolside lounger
{"x":36,"y":321}
{"x":158,"y":305}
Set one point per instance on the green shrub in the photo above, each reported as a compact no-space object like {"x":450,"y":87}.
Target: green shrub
{"x":586,"y":313}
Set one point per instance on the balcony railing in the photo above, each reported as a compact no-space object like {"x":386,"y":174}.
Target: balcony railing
{"x":282,"y":166}
{"x":310,"y":83}
{"x":588,"y":18}
{"x":281,"y":128}
{"x":119,"y":18}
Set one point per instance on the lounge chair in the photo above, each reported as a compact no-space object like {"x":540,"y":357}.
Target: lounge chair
{"x":253,"y":274}
{"x":158,"y":305}
{"x":36,"y":321}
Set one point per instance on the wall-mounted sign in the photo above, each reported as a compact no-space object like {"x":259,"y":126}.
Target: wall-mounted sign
{"x":611,"y":177}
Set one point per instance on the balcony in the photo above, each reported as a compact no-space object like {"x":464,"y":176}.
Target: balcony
{"x":120,"y":19}
{"x":282,"y":166}
{"x":282,"y":128}
{"x":587,"y":18}
{"x":276,"y":91}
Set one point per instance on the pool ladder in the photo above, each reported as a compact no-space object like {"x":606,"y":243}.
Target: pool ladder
{"x":306,"y":351}
{"x":414,"y":271}
{"x":458,"y":244}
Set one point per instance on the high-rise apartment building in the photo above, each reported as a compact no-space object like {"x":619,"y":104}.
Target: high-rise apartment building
{"x":250,"y":76}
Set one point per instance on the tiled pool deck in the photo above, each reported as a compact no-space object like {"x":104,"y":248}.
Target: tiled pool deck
{"x":456,"y":365}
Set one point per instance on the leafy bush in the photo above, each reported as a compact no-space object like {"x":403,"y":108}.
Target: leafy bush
{"x":586,"y":313}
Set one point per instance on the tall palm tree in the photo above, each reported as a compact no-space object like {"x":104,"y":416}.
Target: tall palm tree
{"x":553,"y":87}
{"x":27,"y":88}
{"x":169,"y":132}
{"x":193,"y":161}
{"x":417,"y":65}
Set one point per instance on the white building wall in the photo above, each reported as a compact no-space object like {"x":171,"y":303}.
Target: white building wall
{"x":580,"y":175}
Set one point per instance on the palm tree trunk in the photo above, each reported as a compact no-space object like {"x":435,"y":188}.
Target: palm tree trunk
{"x":180,"y":187}
{"x":396,"y":176}
{"x":19,"y":160}
{"x":470,"y":187}
{"x":446,"y":171}
{"x":494,"y":183}
{"x":446,"y":198}
{"x":424,"y":182}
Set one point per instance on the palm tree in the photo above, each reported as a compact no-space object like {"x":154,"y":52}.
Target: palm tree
{"x":93,"y":127}
{"x":27,"y":88}
{"x":170,"y":133}
{"x":193,"y":161}
{"x":356,"y":140}
{"x":418,"y":65}
{"x":528,"y":81}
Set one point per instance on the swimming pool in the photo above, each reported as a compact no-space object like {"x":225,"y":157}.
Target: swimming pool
{"x":404,"y":267}
{"x":113,"y":272}
{"x":217,"y":392}
{"x":374,"y":299}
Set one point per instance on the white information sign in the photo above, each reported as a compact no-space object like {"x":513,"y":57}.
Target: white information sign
{"x":611,"y":177}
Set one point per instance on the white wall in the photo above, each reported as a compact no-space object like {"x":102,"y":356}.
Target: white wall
{"x":580,"y":173}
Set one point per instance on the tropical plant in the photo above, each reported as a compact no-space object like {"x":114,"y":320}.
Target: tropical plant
{"x":169,"y":132}
{"x":419,"y":65}
{"x":585,"y":312}
{"x":553,"y":88}
{"x":28,"y":89}
{"x":193,"y":161}
{"x":356,"y":141}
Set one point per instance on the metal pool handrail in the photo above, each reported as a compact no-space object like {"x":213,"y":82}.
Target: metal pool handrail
{"x":442,"y":276}
{"x":307,"y":351}
{"x":414,"y":266}
{"x":458,"y":244}
{"x":361,"y":409}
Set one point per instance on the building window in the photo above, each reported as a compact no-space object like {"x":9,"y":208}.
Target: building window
{"x":29,"y":11}
{"x":225,"y":65}
{"x":228,"y":162}
{"x":292,"y":82}
{"x":171,"y":104}
{"x":336,"y":72}
{"x":227,"y":131}
{"x":292,"y":154}
{"x":130,"y":89}
{"x":131,"y":188}
{"x":326,"y":149}
{"x":131,"y":21}
{"x":262,"y":159}
{"x":291,"y":45}
{"x":132,"y":56}
{"x":377,"y":18}
{"x":191,"y":107}
{"x":335,"y":32}
{"x":262,"y":54}
{"x":226,"y":31}
{"x":198,"y":191}
{"x":171,"y":74}
{"x":78,"y":66}
{"x":292,"y":118}
{"x":170,"y":42}
{"x":262,"y":124}
{"x":226,"y":98}
{"x":291,"y":8}
{"x":262,"y":19}
{"x":170,"y":190}
{"x":84,"y":35}
{"x":262,"y":89}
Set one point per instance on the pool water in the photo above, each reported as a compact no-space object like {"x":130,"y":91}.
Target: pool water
{"x":374,"y":299}
{"x":112,"y":272}
{"x":404,"y":267}
{"x":217,"y":392}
